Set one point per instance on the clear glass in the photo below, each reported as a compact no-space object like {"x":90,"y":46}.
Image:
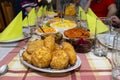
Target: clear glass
{"x":116,"y":59}
{"x":100,"y":49}
{"x":83,"y":20}
{"x":108,"y":22}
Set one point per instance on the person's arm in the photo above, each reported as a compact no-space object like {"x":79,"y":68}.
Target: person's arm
{"x":76,"y":1}
{"x":111,"y":10}
{"x":39,"y":0}
{"x":87,"y":5}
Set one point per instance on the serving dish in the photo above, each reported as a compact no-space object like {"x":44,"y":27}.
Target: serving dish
{"x":51,"y":14}
{"x":46,"y":30}
{"x":49,"y":70}
{"x":63,"y":24}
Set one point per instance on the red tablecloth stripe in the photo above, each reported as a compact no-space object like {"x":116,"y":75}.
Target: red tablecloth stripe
{"x":73,"y":76}
{"x":12,"y":53}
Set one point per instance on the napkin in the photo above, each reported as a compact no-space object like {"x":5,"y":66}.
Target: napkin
{"x":25,"y":22}
{"x":44,"y":10}
{"x":91,"y":13}
{"x":82,"y":14}
{"x":51,"y":9}
{"x":13,"y":30}
{"x":30,"y":19}
{"x":91,"y":20}
{"x":40,"y":11}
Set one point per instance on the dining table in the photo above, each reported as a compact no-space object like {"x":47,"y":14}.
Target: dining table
{"x":92,"y":67}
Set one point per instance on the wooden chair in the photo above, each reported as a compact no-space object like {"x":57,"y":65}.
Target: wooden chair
{"x":8,"y":12}
{"x":2,"y":25}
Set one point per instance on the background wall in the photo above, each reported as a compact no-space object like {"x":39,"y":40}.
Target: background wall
{"x":6,"y":13}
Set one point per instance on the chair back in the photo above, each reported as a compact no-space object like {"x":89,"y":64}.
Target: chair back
{"x":8,"y":11}
{"x":2,"y":24}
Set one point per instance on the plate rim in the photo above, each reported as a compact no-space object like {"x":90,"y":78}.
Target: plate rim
{"x":16,"y":40}
{"x":103,"y":35}
{"x":77,"y":64}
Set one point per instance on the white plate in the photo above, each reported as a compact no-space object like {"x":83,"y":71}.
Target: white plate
{"x":106,"y":36}
{"x":25,"y":36}
{"x":52,"y":15}
{"x":49,"y":70}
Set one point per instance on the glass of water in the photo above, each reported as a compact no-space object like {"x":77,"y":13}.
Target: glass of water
{"x":100,"y":49}
{"x":116,"y":58}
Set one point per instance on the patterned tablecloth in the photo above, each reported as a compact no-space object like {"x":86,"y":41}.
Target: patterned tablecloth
{"x":92,"y":68}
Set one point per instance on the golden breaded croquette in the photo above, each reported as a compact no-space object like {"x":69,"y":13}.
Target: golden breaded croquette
{"x":60,"y":60}
{"x":68,"y":48}
{"x":26,"y":57}
{"x":33,"y":45}
{"x":57,"y":46}
{"x":41,"y":57}
{"x":50,"y":42}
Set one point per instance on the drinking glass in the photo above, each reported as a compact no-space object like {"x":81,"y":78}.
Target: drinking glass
{"x":33,"y":27}
{"x":30,"y":30}
{"x":83,"y":20}
{"x":116,"y":59}
{"x":100,"y":49}
{"x":40,"y":21}
{"x":108,"y":22}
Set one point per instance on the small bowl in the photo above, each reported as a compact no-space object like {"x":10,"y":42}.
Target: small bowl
{"x":82,"y":47}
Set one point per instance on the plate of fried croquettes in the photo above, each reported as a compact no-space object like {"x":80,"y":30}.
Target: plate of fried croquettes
{"x":48,"y":56}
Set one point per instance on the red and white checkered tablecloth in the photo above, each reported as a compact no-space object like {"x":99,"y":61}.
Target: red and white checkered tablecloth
{"x":92,"y":68}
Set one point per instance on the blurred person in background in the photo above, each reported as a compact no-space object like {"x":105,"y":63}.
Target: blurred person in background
{"x":76,"y":2}
{"x":116,"y":18}
{"x":115,"y":21}
{"x":26,"y":6}
{"x":83,"y":3}
{"x":63,"y":4}
{"x":102,"y":8}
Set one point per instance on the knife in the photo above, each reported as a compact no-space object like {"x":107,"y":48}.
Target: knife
{"x":11,"y":47}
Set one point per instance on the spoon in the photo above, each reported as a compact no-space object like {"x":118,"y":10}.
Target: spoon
{"x":3,"y":69}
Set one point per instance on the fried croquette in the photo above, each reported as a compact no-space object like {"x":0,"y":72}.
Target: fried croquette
{"x":60,"y":60}
{"x":57,"y":46}
{"x":48,"y":54}
{"x":33,"y":45}
{"x":50,"y":42}
{"x":68,"y":48}
{"x":26,"y":57}
{"x":41,"y":57}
